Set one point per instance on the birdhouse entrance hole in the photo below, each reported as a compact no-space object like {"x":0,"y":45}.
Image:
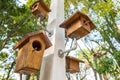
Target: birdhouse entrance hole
{"x":35,"y":5}
{"x":36,"y":45}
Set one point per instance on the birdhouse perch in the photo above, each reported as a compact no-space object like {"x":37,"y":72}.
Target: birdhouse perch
{"x":30,"y":53}
{"x":39,"y":9}
{"x":78,"y":25}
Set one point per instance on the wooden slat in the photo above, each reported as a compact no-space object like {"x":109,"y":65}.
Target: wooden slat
{"x":76,"y":59}
{"x":72,"y":64}
{"x":78,"y":29}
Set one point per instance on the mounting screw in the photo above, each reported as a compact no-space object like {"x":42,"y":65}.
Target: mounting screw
{"x":50,"y":33}
{"x":60,"y":53}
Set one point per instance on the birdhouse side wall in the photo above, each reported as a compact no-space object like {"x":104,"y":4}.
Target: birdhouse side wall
{"x":36,"y":11}
{"x":21,"y":58}
{"x":73,"y":27}
{"x":78,"y":29}
{"x":81,"y":32}
{"x":67,"y":64}
{"x":41,"y":8}
{"x":72,"y":65}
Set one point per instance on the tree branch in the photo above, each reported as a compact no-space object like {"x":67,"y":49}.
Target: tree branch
{"x":12,"y":65}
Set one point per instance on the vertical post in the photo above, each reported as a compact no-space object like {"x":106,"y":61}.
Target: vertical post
{"x":53,"y":67}
{"x":24,"y":77}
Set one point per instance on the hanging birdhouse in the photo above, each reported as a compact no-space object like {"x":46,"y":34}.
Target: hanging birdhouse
{"x":72,"y":64}
{"x":30,"y":53}
{"x":78,"y":25}
{"x":39,"y":9}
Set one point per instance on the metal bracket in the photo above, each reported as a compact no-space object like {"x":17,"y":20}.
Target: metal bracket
{"x":50,"y":33}
{"x":61,"y":53}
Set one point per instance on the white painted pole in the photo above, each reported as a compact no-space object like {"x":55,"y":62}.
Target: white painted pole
{"x":53,"y":67}
{"x":24,"y":77}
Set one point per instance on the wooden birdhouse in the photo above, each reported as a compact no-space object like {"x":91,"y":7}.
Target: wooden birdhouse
{"x":72,"y":64}
{"x":30,"y":53}
{"x":78,"y":25}
{"x":39,"y":9}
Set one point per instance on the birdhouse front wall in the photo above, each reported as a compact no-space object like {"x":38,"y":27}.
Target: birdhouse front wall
{"x":43,"y":10}
{"x":85,"y":23}
{"x":39,"y":10}
{"x":78,"y":29}
{"x":37,"y":47}
{"x":35,"y":9}
{"x":29,"y":57}
{"x":21,"y":58}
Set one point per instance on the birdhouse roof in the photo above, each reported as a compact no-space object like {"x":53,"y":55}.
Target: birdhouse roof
{"x":75,"y":59}
{"x":66,"y":24}
{"x":25,"y":39}
{"x":42,"y":4}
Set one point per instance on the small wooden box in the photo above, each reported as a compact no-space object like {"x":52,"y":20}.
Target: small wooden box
{"x":72,"y":64}
{"x":78,"y":25}
{"x":30,"y":53}
{"x":39,"y":9}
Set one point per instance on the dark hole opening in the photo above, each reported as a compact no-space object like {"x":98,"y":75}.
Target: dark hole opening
{"x":35,"y":6}
{"x":36,"y":45}
{"x":84,"y":22}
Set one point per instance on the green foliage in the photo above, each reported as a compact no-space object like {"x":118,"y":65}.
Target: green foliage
{"x":105,"y":65}
{"x":117,"y":57}
{"x":15,"y":22}
{"x":103,"y":8}
{"x":3,"y":56}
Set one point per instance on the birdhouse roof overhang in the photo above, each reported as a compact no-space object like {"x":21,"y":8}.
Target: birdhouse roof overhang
{"x":66,"y":24}
{"x":75,"y":59}
{"x":24,"y":40}
{"x":42,"y":4}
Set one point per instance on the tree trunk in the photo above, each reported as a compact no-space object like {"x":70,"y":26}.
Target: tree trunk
{"x":28,"y":77}
{"x":100,"y":76}
{"x":95,"y":74}
{"x":105,"y":76}
{"x":20,"y":76}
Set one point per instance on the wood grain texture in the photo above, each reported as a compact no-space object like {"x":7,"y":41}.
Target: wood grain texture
{"x":78,"y":25}
{"x":66,"y":24}
{"x":28,"y":59}
{"x":40,"y":9}
{"x":31,"y":50}
{"x":72,"y":64}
